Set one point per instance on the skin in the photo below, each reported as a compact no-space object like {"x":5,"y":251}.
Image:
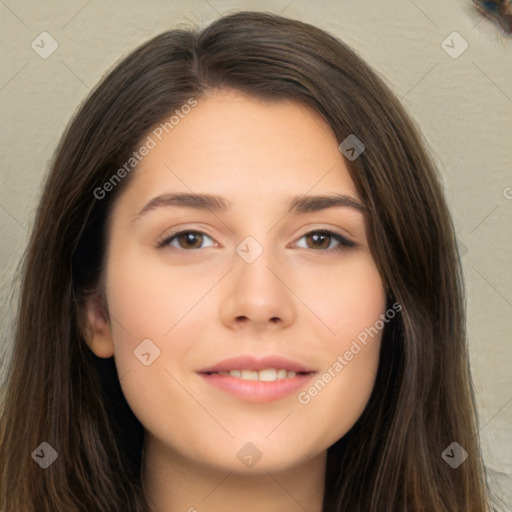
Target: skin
{"x":202,"y":305}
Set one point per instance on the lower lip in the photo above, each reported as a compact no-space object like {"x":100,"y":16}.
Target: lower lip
{"x":255,"y":390}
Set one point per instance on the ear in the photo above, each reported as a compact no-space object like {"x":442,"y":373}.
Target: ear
{"x":98,"y":335}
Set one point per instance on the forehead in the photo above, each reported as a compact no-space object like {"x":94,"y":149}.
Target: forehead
{"x":235,"y":145}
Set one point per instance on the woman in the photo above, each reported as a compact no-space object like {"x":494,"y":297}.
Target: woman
{"x":152,"y":375}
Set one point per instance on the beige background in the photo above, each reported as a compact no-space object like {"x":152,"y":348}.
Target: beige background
{"x":463,"y":106}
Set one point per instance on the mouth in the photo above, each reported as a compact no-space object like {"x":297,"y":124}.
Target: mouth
{"x":266,"y":375}
{"x":258,"y":380}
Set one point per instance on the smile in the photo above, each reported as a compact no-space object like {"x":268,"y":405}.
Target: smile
{"x":267,"y":375}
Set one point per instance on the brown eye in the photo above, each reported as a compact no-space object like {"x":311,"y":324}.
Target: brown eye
{"x":322,"y":240}
{"x":190,"y":240}
{"x":319,"y":240}
{"x":187,"y":240}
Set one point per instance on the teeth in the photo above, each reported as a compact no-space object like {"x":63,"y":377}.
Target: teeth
{"x":281,"y":374}
{"x":249,"y":375}
{"x":267,"y":375}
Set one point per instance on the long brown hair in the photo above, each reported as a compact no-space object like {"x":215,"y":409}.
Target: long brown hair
{"x":57,"y":391}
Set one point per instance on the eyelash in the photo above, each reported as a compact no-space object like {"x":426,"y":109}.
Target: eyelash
{"x":343,"y":242}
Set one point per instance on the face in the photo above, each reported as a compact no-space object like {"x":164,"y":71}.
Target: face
{"x":194,"y":291}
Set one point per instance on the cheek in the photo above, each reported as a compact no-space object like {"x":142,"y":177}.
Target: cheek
{"x":148,"y":300}
{"x":348,"y":297}
{"x":352,"y":305}
{"x":147,"y":312}
{"x":144,"y":310}
{"x":155,"y":310}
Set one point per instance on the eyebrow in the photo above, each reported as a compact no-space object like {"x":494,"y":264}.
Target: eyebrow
{"x":215,"y":203}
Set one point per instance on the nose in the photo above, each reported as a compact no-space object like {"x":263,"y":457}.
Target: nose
{"x":258,"y":294}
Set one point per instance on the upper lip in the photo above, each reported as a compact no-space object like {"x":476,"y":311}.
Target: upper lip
{"x":252,"y":363}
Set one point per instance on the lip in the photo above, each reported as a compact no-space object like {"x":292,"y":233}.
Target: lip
{"x":257,"y":391}
{"x":255,"y":364}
